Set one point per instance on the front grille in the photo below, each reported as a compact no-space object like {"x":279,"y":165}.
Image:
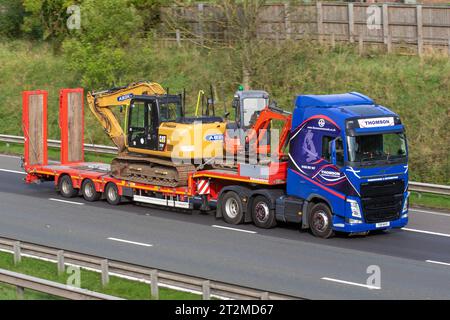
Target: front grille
{"x":382,"y":201}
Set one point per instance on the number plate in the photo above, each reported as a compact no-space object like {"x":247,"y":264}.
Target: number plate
{"x":382,"y":224}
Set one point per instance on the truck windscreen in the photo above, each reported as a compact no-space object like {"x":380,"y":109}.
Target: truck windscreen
{"x":377,"y":147}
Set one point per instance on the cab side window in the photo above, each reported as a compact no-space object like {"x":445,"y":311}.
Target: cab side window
{"x":326,"y":150}
{"x":339,"y":152}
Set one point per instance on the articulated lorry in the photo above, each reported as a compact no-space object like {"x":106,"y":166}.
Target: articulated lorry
{"x":344,"y":169}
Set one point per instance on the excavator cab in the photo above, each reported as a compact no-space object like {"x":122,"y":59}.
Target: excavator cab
{"x":146,"y":113}
{"x":246,"y":104}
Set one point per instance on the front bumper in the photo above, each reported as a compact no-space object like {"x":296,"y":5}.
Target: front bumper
{"x":339,"y":224}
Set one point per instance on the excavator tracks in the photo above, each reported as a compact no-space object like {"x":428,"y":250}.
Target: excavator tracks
{"x":151,"y":170}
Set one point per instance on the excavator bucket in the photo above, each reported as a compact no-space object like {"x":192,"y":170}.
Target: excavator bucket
{"x":71,"y":123}
{"x":34,"y":119}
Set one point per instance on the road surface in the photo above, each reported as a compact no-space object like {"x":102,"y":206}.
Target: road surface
{"x":414,"y":263}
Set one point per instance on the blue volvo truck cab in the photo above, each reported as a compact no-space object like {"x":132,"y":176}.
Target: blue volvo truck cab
{"x":348,"y":165}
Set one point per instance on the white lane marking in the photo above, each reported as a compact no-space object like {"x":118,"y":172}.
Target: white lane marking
{"x":12,"y":171}
{"x":427,"y":232}
{"x":234,"y":229}
{"x":430,"y":212}
{"x":131,"y":242}
{"x":65,"y":201}
{"x":352,"y":283}
{"x":438,"y":262}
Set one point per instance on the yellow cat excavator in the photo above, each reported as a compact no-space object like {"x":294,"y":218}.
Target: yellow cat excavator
{"x":160,"y":144}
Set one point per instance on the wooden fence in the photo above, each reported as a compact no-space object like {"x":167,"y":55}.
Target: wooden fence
{"x":406,"y":24}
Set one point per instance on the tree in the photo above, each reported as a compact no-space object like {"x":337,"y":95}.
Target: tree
{"x":98,"y":51}
{"x":46,"y":19}
{"x":11,"y":18}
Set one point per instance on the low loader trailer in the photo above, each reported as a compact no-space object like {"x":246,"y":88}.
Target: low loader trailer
{"x":346,"y":169}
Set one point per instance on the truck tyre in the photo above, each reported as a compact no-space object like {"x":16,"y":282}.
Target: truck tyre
{"x":262,"y":215}
{"x":66,"y":188}
{"x":89,"y":192}
{"x":232,"y":208}
{"x":112,"y":194}
{"x":321,"y":221}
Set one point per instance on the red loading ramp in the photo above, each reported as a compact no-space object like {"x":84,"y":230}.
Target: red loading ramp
{"x":34,"y":125}
{"x":71,"y":123}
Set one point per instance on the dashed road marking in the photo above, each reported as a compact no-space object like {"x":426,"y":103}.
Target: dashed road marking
{"x":131,"y":242}
{"x":438,"y":262}
{"x":367,"y":286}
{"x":65,"y":201}
{"x":428,"y":232}
{"x":234,"y":229}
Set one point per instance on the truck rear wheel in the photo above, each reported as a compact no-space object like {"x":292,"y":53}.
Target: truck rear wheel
{"x":232,"y":208}
{"x":66,"y":188}
{"x":89,"y":192}
{"x":262,"y":215}
{"x":320,"y":221}
{"x":112,"y":194}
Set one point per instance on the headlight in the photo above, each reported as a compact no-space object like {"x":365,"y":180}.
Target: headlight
{"x":354,"y":207}
{"x":406,"y":204}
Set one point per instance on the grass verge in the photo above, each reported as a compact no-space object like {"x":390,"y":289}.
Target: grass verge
{"x":429,"y":200}
{"x":90,"y":280}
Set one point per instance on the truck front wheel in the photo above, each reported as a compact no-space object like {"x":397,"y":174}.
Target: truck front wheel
{"x":320,"y":221}
{"x":262,"y":215}
{"x":232,"y":208}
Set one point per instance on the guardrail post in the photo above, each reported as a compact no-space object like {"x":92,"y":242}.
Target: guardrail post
{"x":265,"y":296}
{"x":60,"y":261}
{"x":105,"y":272}
{"x":154,"y":284}
{"x":206,"y":290}
{"x":20,"y":292}
{"x":17,"y":253}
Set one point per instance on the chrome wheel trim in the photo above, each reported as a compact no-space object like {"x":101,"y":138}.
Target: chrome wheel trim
{"x":232,"y":208}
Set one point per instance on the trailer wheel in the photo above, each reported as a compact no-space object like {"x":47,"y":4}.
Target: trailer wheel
{"x":89,"y":192}
{"x":320,"y":221}
{"x":232,"y":208}
{"x":66,"y":188}
{"x":262,"y":215}
{"x":112,"y":194}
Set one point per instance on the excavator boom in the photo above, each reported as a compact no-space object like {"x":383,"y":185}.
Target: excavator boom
{"x":101,"y":102}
